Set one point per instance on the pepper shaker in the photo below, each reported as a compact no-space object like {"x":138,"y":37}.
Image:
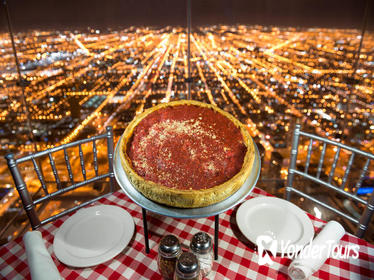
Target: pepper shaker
{"x":168,"y":252}
{"x":201,"y":246}
{"x":187,"y":267}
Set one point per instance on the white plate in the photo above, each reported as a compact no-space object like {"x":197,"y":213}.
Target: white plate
{"x":93,"y":235}
{"x":280,"y":219}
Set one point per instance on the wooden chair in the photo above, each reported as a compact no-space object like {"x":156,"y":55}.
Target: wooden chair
{"x":26,"y":197}
{"x":339,"y":187}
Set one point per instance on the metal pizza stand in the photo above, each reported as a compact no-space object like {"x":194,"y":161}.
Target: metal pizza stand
{"x":185,"y":213}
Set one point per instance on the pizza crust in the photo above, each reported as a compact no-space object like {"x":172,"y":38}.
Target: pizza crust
{"x":186,"y":198}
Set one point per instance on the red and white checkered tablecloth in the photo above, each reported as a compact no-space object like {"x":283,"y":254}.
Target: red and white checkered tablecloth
{"x":237,"y":257}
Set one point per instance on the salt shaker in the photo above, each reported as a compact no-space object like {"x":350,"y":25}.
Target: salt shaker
{"x":187,"y":267}
{"x":201,"y":246}
{"x":168,"y":252}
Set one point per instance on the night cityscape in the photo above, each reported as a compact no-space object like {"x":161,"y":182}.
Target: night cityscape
{"x":76,"y":83}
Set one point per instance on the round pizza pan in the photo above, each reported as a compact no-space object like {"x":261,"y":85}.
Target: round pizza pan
{"x":186,"y":213}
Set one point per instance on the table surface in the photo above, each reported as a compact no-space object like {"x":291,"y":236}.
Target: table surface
{"x":237,"y":256}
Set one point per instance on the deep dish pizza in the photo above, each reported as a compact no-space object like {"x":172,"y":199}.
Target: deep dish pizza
{"x":186,"y":154}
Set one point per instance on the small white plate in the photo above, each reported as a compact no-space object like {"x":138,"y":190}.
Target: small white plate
{"x":93,"y":235}
{"x":277,"y":218}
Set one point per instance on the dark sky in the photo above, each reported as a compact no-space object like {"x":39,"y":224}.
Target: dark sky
{"x":67,"y":14}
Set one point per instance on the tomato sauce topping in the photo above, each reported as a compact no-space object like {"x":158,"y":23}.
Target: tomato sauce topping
{"x":186,"y":147}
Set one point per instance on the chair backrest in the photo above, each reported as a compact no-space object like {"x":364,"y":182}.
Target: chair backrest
{"x":30,"y":205}
{"x":338,"y":186}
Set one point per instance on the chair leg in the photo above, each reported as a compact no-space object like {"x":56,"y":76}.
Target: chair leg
{"x":23,"y":192}
{"x":145,"y":227}
{"x":216,"y":231}
{"x":293,"y":158}
{"x":366,"y":217}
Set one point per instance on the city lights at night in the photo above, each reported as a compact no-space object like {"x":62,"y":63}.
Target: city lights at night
{"x":78,"y":82}
{"x":264,"y":76}
{"x":205,"y":139}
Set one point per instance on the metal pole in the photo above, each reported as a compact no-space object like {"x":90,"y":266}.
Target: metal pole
{"x":366,"y":217}
{"x":189,"y":47}
{"x":145,"y":228}
{"x":24,"y":194}
{"x":293,"y":158}
{"x":216,"y":232}
{"x":109,"y":131}
{"x":364,"y":25}
{"x":21,"y":80}
{"x":356,"y":57}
